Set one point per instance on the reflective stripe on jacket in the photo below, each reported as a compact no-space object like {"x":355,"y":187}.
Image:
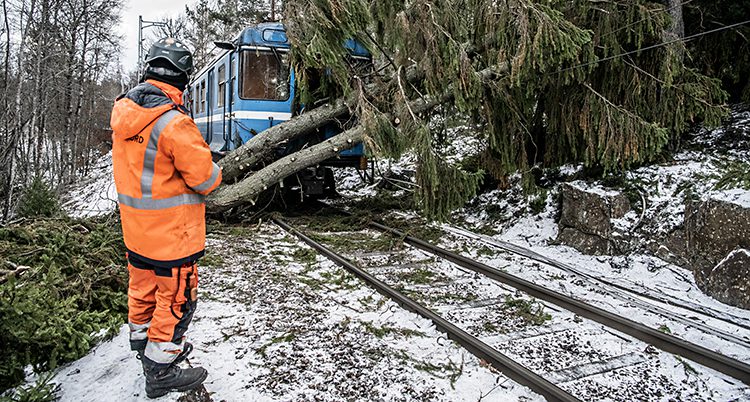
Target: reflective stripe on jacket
{"x":163,"y":171}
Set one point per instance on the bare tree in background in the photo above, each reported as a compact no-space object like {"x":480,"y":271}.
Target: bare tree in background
{"x":207,"y":21}
{"x":59,"y":78}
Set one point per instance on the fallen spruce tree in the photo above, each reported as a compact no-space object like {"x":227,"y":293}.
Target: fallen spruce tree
{"x":249,"y":188}
{"x":536,"y":93}
{"x":261,"y":146}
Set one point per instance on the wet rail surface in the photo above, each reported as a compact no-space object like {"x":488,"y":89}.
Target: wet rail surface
{"x":516,"y":371}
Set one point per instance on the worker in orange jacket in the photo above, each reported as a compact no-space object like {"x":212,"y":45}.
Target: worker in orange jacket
{"x":163,"y":170}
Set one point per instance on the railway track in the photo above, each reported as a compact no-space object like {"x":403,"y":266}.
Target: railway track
{"x":570,"y":373}
{"x":628,"y":292}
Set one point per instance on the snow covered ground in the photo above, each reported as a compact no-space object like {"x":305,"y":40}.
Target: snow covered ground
{"x":271,"y":327}
{"x":278,"y":323}
{"x":94,"y":195}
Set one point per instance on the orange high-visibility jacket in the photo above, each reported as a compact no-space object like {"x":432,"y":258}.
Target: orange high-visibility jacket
{"x":163,"y":171}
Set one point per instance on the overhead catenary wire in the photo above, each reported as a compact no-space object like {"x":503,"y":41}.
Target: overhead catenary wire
{"x":645,"y":19}
{"x":658,"y":45}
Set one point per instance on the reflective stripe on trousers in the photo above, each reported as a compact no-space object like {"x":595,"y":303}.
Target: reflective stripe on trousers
{"x":138,"y":332}
{"x":147,"y":175}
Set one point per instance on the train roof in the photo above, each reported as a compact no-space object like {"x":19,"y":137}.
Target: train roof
{"x":273,"y":34}
{"x":269,"y":34}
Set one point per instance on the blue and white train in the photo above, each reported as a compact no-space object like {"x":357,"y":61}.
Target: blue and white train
{"x":251,"y":87}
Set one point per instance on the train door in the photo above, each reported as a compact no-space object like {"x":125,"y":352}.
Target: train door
{"x":233,"y":140}
{"x":221,"y":102}
{"x":209,"y":103}
{"x":230,"y":102}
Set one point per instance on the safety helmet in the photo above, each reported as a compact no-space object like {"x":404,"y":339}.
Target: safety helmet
{"x":172,"y":51}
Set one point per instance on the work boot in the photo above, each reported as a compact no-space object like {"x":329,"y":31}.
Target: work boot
{"x":140,"y":349}
{"x":168,"y":377}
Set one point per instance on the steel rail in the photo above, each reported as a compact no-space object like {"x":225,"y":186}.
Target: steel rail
{"x":666,"y":342}
{"x":623,"y":292}
{"x":499,"y":361}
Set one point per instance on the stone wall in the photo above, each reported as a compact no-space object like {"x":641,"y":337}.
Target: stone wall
{"x":714,"y":241}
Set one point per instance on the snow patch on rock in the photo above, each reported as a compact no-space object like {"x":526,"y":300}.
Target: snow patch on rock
{"x":736,"y":196}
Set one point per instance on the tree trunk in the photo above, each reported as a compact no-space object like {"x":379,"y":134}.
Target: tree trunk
{"x":677,"y":29}
{"x":241,"y":160}
{"x":678,"y":23}
{"x":228,"y":196}
{"x":248,"y":155}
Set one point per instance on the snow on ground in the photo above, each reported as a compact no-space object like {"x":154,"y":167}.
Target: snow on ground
{"x":634,"y":271}
{"x":664,"y":188}
{"x":735,"y":196}
{"x":272,"y":326}
{"x":579,"y":355}
{"x":94,"y":195}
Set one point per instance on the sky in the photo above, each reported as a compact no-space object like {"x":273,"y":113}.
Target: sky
{"x":151,"y":10}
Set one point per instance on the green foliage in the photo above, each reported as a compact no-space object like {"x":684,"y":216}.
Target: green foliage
{"x":306,"y":256}
{"x":386,"y":330}
{"x":554,"y":96}
{"x":416,"y":228}
{"x":735,"y":174}
{"x":288,"y":337}
{"x":538,"y":203}
{"x":39,"y":200}
{"x":212,"y":260}
{"x":40,"y":391}
{"x":319,"y":29}
{"x":530,"y":311}
{"x":73,"y":293}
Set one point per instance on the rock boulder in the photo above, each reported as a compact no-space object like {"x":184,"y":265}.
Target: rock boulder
{"x":729,"y":281}
{"x":586,"y":221}
{"x":715,"y":228}
{"x":718,"y":240}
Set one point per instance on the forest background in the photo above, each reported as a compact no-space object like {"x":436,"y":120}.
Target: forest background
{"x":560,"y":82}
{"x":557,"y":103}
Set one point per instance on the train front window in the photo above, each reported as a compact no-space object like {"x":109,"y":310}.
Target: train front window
{"x":265,"y":75}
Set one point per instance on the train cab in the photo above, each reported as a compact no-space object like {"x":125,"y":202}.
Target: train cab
{"x":250,"y":87}
{"x":245,"y":90}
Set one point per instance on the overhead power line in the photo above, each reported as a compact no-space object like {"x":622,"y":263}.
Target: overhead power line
{"x":645,"y":19}
{"x":658,"y":45}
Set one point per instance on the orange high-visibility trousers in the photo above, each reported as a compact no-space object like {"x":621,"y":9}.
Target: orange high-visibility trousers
{"x":161,"y":303}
